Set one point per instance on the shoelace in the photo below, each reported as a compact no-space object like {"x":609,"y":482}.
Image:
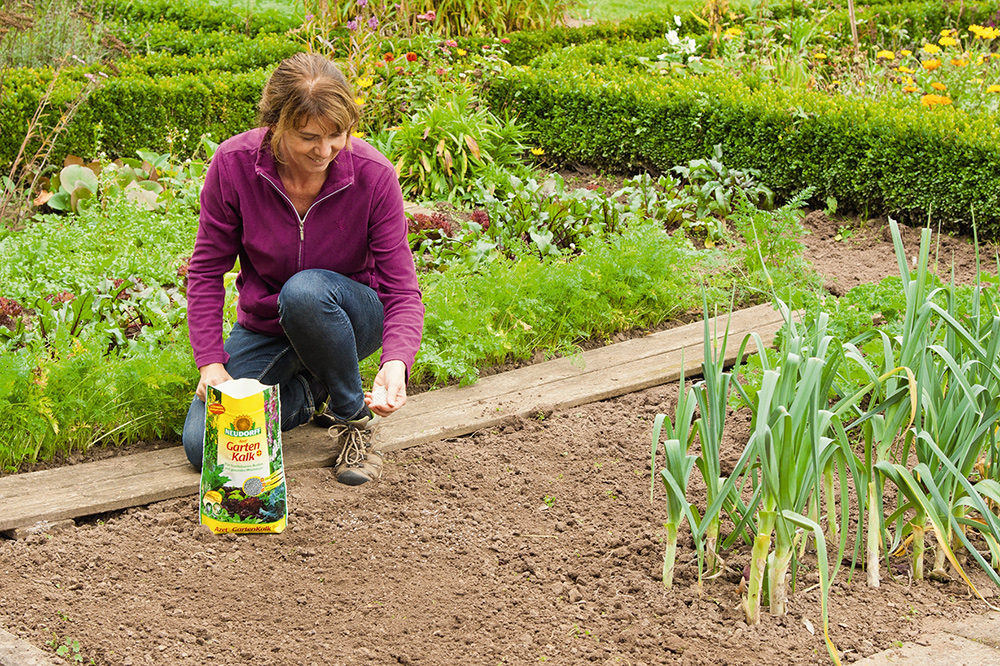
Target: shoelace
{"x":354,"y":452}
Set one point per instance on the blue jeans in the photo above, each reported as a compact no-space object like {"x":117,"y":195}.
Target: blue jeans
{"x":331,"y":322}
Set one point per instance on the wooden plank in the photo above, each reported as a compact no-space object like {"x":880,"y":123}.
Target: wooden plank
{"x":614,"y":370}
{"x":761,"y":318}
{"x":16,"y":651}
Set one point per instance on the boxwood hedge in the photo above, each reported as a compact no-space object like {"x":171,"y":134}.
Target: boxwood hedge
{"x":879,"y":157}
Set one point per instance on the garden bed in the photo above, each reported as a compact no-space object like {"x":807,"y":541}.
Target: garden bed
{"x":534,"y":541}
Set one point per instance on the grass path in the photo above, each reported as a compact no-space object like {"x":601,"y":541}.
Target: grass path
{"x":614,"y":10}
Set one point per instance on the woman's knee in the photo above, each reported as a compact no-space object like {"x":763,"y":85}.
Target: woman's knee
{"x":304,"y":290}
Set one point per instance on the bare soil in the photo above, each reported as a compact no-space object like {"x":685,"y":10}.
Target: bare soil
{"x":532,"y":542}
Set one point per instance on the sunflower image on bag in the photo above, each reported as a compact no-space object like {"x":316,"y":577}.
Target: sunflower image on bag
{"x":243,"y":475}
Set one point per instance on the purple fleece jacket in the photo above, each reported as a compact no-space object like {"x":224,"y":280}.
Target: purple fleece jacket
{"x":355,"y":227}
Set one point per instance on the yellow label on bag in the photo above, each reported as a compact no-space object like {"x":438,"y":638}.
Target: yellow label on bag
{"x":243,"y":480}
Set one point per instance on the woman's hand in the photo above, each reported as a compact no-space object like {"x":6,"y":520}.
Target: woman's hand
{"x":212,"y":374}
{"x":392,"y":377}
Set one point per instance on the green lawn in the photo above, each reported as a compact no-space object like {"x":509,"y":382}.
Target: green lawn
{"x":614,"y":10}
{"x":598,"y":10}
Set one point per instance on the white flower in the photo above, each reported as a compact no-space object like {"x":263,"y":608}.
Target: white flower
{"x":672,"y":38}
{"x":688,"y":45}
{"x":677,"y":20}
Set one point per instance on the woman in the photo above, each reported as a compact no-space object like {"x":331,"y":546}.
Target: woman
{"x":316,"y":220}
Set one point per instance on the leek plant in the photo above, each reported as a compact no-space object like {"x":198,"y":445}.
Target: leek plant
{"x":712,"y":396}
{"x":789,"y":436}
{"x":675,"y":475}
{"x":896,"y":400}
{"x":959,"y":380}
{"x":937,"y":397}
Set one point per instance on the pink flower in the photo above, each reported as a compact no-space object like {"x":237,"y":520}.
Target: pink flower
{"x":451,"y":43}
{"x":504,"y":40}
{"x":429,"y":16}
{"x":439,"y":71}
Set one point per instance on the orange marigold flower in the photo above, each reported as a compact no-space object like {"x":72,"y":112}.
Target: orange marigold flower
{"x":909,"y":89}
{"x":993,"y":88}
{"x":939,"y":86}
{"x":411,"y":56}
{"x":959,"y":62}
{"x":931,"y":65}
{"x":931,"y":100}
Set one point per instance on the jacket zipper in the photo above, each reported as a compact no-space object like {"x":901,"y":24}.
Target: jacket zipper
{"x":302,"y":220}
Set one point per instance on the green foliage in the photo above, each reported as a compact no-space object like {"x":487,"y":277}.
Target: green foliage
{"x":68,"y":649}
{"x":170,"y":52}
{"x":772,"y":245}
{"x":890,"y":24}
{"x":55,"y":253}
{"x":493,"y":17}
{"x":38,"y":33}
{"x":154,"y":182}
{"x":441,"y":150}
{"x":521,"y":216}
{"x":508,"y":309}
{"x":74,"y":394}
{"x":96,"y":351}
{"x":712,"y":187}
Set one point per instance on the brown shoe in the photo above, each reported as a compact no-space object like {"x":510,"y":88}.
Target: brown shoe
{"x":359,"y":461}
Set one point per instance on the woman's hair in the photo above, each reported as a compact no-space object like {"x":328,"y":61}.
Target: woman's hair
{"x":303,"y":87}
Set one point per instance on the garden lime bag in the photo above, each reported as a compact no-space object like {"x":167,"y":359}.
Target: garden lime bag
{"x":242,"y":473}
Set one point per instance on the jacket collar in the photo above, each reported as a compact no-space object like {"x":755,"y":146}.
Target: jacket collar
{"x":340,"y":175}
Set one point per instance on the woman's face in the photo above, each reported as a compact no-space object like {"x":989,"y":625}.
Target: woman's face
{"x":311,"y":148}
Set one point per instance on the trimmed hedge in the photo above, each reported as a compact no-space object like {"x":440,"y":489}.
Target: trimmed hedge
{"x":525,"y":46}
{"x":233,"y":54}
{"x":151,"y":88}
{"x":883,"y":158}
{"x":140,"y":112}
{"x":197,"y":15}
{"x":168,"y":38}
